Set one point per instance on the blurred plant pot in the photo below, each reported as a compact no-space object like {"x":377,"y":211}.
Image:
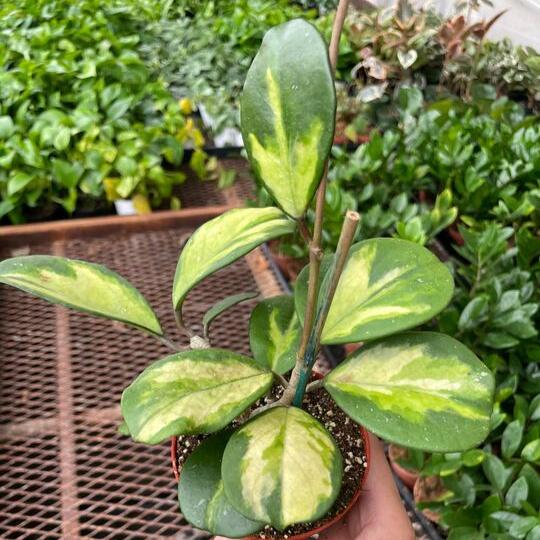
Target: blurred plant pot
{"x":407,"y":476}
{"x":317,"y":530}
{"x":429,"y":489}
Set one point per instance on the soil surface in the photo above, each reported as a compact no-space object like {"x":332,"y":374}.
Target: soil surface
{"x":347,"y":435}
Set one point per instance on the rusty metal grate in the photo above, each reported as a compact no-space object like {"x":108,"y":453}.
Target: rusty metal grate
{"x":198,"y":193}
{"x":194,"y":192}
{"x":65,"y":471}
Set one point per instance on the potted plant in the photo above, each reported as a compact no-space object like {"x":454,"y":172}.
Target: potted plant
{"x":262,"y":456}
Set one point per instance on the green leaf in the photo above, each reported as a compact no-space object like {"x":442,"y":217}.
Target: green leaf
{"x":201,"y":494}
{"x":62,"y":138}
{"x":191,"y":392}
{"x":126,"y":166}
{"x":511,"y":438}
{"x":533,"y":481}
{"x":517,"y":493}
{"x":534,"y":408}
{"x":465,"y":533}
{"x":80,"y":285}
{"x":387,"y":285}
{"x":6,"y":127}
{"x":474,"y":312}
{"x":521,"y":526}
{"x":119,"y":108}
{"x":66,"y":173}
{"x":223,"y":305}
{"x":18,"y":182}
{"x":472,"y":458}
{"x":499,"y":340}
{"x":534,"y":534}
{"x":418,"y":389}
{"x":531,"y":451}
{"x":282,"y":467}
{"x":496,"y":472}
{"x":274,"y":333}
{"x":223,"y":240}
{"x":288,"y":109}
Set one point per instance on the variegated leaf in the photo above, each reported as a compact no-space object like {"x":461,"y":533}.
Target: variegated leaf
{"x":201,"y":494}
{"x":80,"y":285}
{"x":191,"y":392}
{"x":223,"y":240}
{"x":387,"y":285}
{"x":418,"y":389}
{"x":282,"y":467}
{"x":274,"y":333}
{"x":287,"y":110}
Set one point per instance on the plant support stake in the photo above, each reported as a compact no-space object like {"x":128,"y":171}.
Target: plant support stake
{"x":328,"y":288}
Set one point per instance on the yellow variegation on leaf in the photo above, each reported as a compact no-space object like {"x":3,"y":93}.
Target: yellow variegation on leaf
{"x":281,"y":468}
{"x":223,"y":240}
{"x":274,"y":333}
{"x":387,"y":285}
{"x":418,"y":389}
{"x":288,"y":113}
{"x":191,"y":392}
{"x":80,"y":285}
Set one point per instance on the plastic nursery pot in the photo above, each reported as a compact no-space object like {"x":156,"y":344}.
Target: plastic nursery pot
{"x":305,"y":535}
{"x":407,"y":476}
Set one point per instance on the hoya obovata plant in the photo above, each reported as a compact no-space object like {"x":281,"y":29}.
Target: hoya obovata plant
{"x":418,"y":389}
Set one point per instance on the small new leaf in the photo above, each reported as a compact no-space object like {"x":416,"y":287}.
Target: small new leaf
{"x":191,"y":392}
{"x":80,"y":285}
{"x":223,"y":305}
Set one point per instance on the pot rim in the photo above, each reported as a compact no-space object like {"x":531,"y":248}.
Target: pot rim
{"x":303,"y":536}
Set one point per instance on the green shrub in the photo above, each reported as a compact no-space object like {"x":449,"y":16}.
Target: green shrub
{"x":81,"y":118}
{"x":214,"y":44}
{"x":494,"y":492}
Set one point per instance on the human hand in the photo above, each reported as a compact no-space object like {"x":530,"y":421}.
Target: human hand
{"x":379,"y":513}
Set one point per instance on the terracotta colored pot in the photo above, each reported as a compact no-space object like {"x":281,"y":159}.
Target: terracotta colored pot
{"x":304,"y":536}
{"x":428,"y":489}
{"x":407,"y":476}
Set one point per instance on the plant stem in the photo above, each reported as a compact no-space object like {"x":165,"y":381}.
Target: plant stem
{"x":180,"y":323}
{"x":170,"y":343}
{"x":328,"y":287}
{"x":315,"y":252}
{"x":315,"y":385}
{"x":280,"y":379}
{"x":339,"y":20}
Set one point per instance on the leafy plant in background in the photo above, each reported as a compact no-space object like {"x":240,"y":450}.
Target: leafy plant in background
{"x":421,"y":389}
{"x":82,"y":120}
{"x":214,"y":44}
{"x":406,"y":47}
{"x":494,"y":492}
